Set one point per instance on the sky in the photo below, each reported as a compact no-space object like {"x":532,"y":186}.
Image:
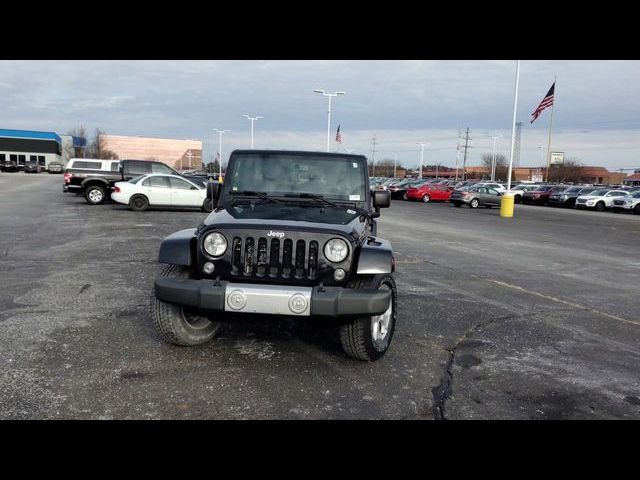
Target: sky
{"x":401,"y":102}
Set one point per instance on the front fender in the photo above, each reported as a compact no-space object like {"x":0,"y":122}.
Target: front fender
{"x":376,"y":256}
{"x":179,"y":248}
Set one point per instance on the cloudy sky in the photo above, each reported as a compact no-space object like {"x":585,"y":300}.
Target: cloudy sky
{"x":596,"y":119}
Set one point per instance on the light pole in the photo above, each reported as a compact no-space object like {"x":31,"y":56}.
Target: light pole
{"x":513,"y":126}
{"x":252,"y":119}
{"x":422,"y":144}
{"x":322,"y":92}
{"x":220,"y":132}
{"x":493,"y":158}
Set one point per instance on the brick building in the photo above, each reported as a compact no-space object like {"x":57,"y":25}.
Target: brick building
{"x":180,"y":154}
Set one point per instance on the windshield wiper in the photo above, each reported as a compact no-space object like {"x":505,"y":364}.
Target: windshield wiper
{"x":321,"y":199}
{"x":250,"y":193}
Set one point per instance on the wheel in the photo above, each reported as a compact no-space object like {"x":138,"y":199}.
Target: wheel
{"x":207,"y":205}
{"x":636,"y":209}
{"x":138,"y":203}
{"x":368,"y":338}
{"x":404,"y":196}
{"x":474,"y":203}
{"x":517,"y":199}
{"x":426,"y":198}
{"x":95,"y":194}
{"x":570,"y":203}
{"x":600,"y":206}
{"x":457,"y":204}
{"x":179,"y":325}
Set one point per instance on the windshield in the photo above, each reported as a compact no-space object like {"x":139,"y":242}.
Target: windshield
{"x":136,"y":179}
{"x":636,"y":194}
{"x":339,"y":178}
{"x":599,"y":193}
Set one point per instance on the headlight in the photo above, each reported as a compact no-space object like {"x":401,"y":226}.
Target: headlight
{"x":215,"y":244}
{"x":336,"y":250}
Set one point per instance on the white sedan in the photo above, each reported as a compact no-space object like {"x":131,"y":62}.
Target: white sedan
{"x":160,"y":190}
{"x":600,"y":199}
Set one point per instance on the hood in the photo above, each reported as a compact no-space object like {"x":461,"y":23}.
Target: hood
{"x":286,"y":217}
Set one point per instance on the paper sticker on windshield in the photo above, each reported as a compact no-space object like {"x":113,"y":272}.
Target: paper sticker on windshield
{"x":235,"y":189}
{"x":351,"y":212}
{"x":354,"y":197}
{"x":355,"y":165}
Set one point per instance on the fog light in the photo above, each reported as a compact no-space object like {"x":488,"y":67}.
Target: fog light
{"x":236,"y":300}
{"x":208,"y":268}
{"x":297,"y":303}
{"x":339,"y":274}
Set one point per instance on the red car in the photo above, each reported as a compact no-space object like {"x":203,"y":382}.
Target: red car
{"x":428,"y":192}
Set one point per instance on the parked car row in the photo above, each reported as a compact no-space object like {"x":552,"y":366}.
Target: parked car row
{"x":31,"y":166}
{"x":476,"y":193}
{"x":136,"y":183}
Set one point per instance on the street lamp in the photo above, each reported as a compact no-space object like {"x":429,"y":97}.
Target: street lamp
{"x":323,"y":93}
{"x":422,"y":144}
{"x":493,"y":159}
{"x":220,"y":132}
{"x":252,"y":119}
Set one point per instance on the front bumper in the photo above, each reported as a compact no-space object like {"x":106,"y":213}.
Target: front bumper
{"x":272,"y":299}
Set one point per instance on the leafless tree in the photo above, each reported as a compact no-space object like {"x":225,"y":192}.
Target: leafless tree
{"x":97,"y":149}
{"x":502,"y":166}
{"x":78,"y":132}
{"x":384,"y":168}
{"x":568,"y":171}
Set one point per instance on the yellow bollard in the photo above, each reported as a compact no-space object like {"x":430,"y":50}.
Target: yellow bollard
{"x":506,"y":205}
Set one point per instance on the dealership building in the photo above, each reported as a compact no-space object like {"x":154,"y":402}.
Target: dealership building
{"x":22,"y":146}
{"x":180,"y":154}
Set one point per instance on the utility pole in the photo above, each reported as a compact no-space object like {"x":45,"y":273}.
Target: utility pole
{"x":466,"y":147}
{"x":373,"y":155}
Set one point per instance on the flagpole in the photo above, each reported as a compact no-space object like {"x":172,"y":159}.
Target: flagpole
{"x":550,"y":126}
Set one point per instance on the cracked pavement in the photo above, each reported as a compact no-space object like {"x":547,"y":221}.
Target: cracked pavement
{"x":534,"y":317}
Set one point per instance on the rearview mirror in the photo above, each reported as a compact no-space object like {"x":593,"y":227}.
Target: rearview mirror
{"x":381,"y":199}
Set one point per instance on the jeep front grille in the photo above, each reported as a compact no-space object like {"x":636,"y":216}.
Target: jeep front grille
{"x":272,"y":258}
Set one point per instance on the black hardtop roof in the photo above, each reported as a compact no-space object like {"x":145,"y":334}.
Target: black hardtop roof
{"x":298,"y":152}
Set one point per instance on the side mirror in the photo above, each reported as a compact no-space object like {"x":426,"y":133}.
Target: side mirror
{"x":213,"y":191}
{"x":381,"y":199}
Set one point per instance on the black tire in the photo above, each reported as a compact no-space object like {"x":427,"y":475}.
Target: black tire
{"x":517,"y":199}
{"x":176,"y":324}
{"x":570,"y":203}
{"x":138,"y":203}
{"x":600,"y":207}
{"x":95,"y":194}
{"x":457,"y":204}
{"x":636,"y":209}
{"x":426,"y":198}
{"x":357,"y":337}
{"x":474,"y":203}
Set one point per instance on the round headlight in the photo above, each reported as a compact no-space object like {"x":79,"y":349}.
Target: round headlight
{"x":336,"y":250}
{"x":215,"y":244}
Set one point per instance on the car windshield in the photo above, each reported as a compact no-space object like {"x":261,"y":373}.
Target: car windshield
{"x":335,"y":177}
{"x":599,"y":193}
{"x":635,"y":194}
{"x":137,"y":179}
{"x":572,"y":190}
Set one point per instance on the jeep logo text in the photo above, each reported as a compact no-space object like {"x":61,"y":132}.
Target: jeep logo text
{"x":275,"y":234}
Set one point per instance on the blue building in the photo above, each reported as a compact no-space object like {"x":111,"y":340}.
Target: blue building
{"x":22,"y":146}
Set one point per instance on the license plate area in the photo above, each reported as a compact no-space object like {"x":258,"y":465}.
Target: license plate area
{"x":269,"y":299}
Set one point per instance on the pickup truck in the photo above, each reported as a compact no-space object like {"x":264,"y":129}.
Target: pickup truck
{"x":95,"y":178}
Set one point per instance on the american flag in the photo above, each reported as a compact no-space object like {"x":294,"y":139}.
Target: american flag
{"x":338,"y":135}
{"x":547,"y":101}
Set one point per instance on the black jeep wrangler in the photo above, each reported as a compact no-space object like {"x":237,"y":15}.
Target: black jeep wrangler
{"x":291,"y":233}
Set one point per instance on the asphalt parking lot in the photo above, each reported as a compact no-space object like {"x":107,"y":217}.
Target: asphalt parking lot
{"x":535,"y":317}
